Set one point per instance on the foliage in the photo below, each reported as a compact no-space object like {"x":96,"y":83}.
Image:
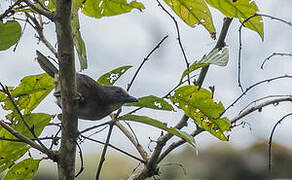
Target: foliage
{"x":197,"y":103}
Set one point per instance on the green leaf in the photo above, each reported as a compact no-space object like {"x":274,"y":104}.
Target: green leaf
{"x":111,"y":77}
{"x":10,"y":33}
{"x":193,"y":12}
{"x":101,"y":8}
{"x":24,"y":170}
{"x":11,"y":151}
{"x":77,"y":38}
{"x":50,"y":4}
{"x":192,"y":68}
{"x":36,"y":120}
{"x":199,"y":105}
{"x":160,"y":125}
{"x":241,"y":9}
{"x":152,"y":102}
{"x":32,"y":90}
{"x":217,"y":56}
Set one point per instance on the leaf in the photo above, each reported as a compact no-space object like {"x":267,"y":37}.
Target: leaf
{"x":32,"y":90}
{"x":192,"y":68}
{"x":50,"y":4}
{"x":77,"y":38}
{"x":10,"y":33}
{"x":193,"y":12}
{"x":111,"y":77}
{"x":241,"y":9}
{"x":199,"y":105}
{"x":11,"y":151}
{"x":160,"y":125}
{"x":101,"y":8}
{"x":217,"y":56}
{"x":24,"y":170}
{"x":152,"y":102}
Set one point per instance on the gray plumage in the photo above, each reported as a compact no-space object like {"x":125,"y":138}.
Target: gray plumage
{"x":96,"y":100}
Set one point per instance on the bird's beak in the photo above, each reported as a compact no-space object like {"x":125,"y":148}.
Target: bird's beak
{"x":131,"y":99}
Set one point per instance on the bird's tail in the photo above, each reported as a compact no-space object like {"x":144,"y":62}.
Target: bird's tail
{"x":46,"y":65}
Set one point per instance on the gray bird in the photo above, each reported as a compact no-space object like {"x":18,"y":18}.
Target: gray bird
{"x":96,"y":101}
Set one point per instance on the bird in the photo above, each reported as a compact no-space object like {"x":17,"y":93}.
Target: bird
{"x":95,"y":101}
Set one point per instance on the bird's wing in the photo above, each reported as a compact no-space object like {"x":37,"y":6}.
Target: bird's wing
{"x":46,"y":65}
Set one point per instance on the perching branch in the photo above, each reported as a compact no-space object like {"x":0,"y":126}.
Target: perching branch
{"x":67,"y":80}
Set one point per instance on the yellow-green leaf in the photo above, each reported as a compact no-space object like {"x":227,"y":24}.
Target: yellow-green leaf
{"x":200,"y":106}
{"x":32,"y":90}
{"x":101,"y":8}
{"x":160,"y":125}
{"x":193,"y":12}
{"x":24,"y":170}
{"x":241,"y":9}
{"x":10,"y":33}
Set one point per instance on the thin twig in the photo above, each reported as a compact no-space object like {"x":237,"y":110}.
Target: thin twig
{"x":6,"y":91}
{"x":94,"y":127}
{"x":240,"y":42}
{"x":33,"y":139}
{"x":175,"y":145}
{"x":116,"y":148}
{"x":270,"y":144}
{"x":178,"y":38}
{"x":42,"y":11}
{"x":260,"y":107}
{"x":272,"y":55}
{"x":144,"y":60}
{"x":39,"y":29}
{"x":9,"y":11}
{"x":81,"y":160}
{"x":260,"y":99}
{"x":51,"y":154}
{"x":102,"y":158}
{"x":133,"y":140}
{"x":251,"y":87}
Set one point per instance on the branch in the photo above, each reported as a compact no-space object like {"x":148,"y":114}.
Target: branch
{"x":270,"y":144}
{"x":220,"y":44}
{"x":39,"y":30}
{"x":51,"y":154}
{"x":274,"y":54}
{"x":240,"y":42}
{"x":42,"y":11}
{"x":116,"y":148}
{"x":144,"y":60}
{"x":251,"y":87}
{"x":259,"y":107}
{"x":68,"y":86}
{"x":9,"y":11}
{"x":133,"y":140}
{"x":6,"y":91}
{"x":178,"y":38}
{"x":102,"y":158}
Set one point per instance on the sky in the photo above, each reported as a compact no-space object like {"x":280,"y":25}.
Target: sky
{"x":126,"y":40}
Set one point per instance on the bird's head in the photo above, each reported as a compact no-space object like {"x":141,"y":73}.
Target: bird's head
{"x":117,"y":96}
